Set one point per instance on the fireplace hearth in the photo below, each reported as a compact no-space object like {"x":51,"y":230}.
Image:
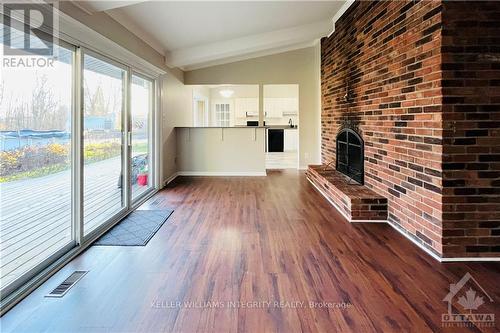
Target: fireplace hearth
{"x":350,"y":154}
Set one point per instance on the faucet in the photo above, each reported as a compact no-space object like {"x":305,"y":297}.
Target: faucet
{"x":290,"y":122}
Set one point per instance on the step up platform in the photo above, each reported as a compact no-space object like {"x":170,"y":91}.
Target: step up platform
{"x":356,"y":202}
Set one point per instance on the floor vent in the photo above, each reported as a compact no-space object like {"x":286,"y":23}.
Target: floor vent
{"x":66,"y":285}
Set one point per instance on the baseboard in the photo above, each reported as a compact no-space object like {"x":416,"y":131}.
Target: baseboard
{"x":411,"y":239}
{"x":171,"y":178}
{"x":419,"y":245}
{"x":212,"y":174}
{"x":222,"y":173}
{"x":470,"y":259}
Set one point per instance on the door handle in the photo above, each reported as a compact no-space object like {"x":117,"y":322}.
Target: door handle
{"x":129,"y":139}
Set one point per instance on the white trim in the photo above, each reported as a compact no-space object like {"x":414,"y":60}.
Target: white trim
{"x":171,"y":178}
{"x":418,"y":244}
{"x":263,"y":42}
{"x":319,"y":99}
{"x":91,"y":7}
{"x":429,"y":252}
{"x":443,"y":259}
{"x":157,"y":137}
{"x":77,"y":148}
{"x":212,"y":174}
{"x":467,"y":259}
{"x":247,"y":56}
{"x":76,"y":33}
{"x":339,"y":14}
{"x":222,"y":173}
{"x":368,"y":221}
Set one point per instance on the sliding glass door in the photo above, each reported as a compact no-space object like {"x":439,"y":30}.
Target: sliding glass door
{"x":141,"y":111}
{"x":104,"y":86}
{"x":76,"y":154}
{"x":35,"y":165}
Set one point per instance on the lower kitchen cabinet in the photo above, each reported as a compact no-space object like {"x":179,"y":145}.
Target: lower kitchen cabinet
{"x":291,"y":140}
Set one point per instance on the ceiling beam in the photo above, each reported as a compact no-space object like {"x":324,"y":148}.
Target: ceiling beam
{"x":264,"y":42}
{"x":339,"y":14}
{"x":92,"y":6}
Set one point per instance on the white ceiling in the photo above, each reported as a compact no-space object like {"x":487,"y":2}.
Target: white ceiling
{"x":197,"y":34}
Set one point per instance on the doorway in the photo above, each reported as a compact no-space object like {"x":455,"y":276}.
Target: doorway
{"x":281,"y":115}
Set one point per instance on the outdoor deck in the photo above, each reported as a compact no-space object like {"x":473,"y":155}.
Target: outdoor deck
{"x":35,"y":214}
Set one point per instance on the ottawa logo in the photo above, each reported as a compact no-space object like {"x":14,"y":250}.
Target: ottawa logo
{"x":464,"y":300}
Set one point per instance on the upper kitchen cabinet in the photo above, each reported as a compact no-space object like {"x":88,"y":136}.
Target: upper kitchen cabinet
{"x":246,"y":107}
{"x":281,"y":104}
{"x":290,"y":106}
{"x":273,"y":108}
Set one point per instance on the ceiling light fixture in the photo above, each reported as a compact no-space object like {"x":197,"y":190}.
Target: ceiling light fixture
{"x":226,"y":93}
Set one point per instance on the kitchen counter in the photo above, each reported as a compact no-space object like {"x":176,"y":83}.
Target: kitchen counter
{"x":243,"y":126}
{"x":222,"y":126}
{"x":281,"y":127}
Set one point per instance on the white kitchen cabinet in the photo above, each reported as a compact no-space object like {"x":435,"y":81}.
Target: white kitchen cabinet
{"x":273,"y":107}
{"x":291,"y":140}
{"x":246,"y":107}
{"x":290,"y":106}
{"x":281,"y":107}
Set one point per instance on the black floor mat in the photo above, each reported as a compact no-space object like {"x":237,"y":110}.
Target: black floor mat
{"x":136,"y":229}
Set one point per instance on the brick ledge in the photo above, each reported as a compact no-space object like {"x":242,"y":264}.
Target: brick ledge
{"x":357,"y":203}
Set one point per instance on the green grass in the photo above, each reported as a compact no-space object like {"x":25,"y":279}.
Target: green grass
{"x":140,"y":147}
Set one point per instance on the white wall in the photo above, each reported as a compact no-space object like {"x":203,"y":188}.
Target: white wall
{"x":300,"y":67}
{"x":176,"y":101}
{"x":281,"y":90}
{"x":221,"y":151}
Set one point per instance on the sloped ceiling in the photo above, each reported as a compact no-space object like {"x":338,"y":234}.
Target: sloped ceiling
{"x":197,"y":34}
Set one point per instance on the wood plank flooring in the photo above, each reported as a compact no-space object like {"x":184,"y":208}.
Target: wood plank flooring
{"x":254,"y":240}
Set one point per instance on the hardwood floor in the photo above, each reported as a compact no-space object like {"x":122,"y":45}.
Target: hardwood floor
{"x":261,"y":239}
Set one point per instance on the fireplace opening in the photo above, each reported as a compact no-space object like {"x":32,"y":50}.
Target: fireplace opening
{"x":350,"y":155}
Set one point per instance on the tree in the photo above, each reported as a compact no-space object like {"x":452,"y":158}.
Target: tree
{"x":43,"y":105}
{"x":94,"y":103}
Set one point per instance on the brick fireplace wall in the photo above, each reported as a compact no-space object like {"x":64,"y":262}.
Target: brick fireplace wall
{"x":387,"y":54}
{"x":471,"y":114}
{"x":424,"y":88}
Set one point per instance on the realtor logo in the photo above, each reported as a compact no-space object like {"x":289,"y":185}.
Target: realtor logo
{"x":464,"y":302}
{"x":29,"y":33}
{"x":28,"y":28}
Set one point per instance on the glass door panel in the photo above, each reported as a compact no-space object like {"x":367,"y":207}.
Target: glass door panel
{"x":35,"y":166}
{"x":103,"y":141}
{"x":141,"y":109}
